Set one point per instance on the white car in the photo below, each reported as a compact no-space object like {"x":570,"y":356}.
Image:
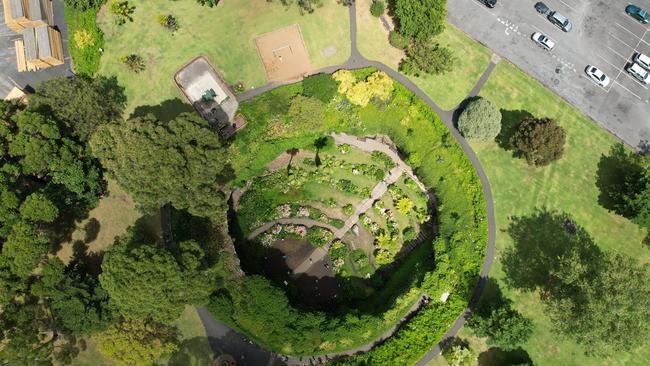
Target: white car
{"x":543,"y":41}
{"x":596,"y":75}
{"x":638,"y":72}
{"x":642,"y":60}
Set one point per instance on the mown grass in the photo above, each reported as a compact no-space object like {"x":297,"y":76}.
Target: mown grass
{"x":225,"y":34}
{"x":446,"y":90}
{"x":567,"y":185}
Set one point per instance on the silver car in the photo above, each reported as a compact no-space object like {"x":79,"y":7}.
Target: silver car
{"x":638,"y":72}
{"x":560,"y":20}
{"x":543,"y":41}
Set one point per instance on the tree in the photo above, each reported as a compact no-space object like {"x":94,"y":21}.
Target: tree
{"x":77,"y":301}
{"x":134,"y":62}
{"x":377,"y":8}
{"x":148,"y":282}
{"x":137,"y":342}
{"x":404,"y":205}
{"x":168,"y":21}
{"x":81,"y":104}
{"x":624,"y":183}
{"x":601,"y":300}
{"x":180,"y":162}
{"x":25,"y":332}
{"x":539,"y":141}
{"x":37,"y":207}
{"x":320,"y":86}
{"x":420,"y":19}
{"x":608,"y":313}
{"x":481,"y":119}
{"x":495,"y":318}
{"x":423,"y":57}
{"x":121,"y":11}
{"x":24,"y":247}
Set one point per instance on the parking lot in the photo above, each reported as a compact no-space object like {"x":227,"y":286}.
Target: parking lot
{"x":603,"y":35}
{"x":9,"y":75}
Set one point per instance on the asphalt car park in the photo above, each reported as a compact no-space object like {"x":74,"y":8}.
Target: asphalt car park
{"x":9,"y":75}
{"x":603,"y":35}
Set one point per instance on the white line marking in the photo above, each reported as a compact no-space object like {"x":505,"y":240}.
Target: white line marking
{"x":635,"y":36}
{"x":568,"y":6}
{"x":629,"y":91}
{"x":610,"y":64}
{"x":483,"y":7}
{"x":623,"y":42}
{"x":619,"y":55}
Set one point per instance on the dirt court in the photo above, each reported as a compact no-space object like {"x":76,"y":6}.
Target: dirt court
{"x":283,"y":54}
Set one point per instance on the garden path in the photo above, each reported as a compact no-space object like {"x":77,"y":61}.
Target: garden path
{"x":357,"y":61}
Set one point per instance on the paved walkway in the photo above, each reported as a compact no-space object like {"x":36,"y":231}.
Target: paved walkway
{"x":357,"y":61}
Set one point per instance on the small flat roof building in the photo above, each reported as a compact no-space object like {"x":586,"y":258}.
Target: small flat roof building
{"x":209,"y":94}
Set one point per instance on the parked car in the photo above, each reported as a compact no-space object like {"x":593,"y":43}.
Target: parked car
{"x":638,"y":72}
{"x":638,"y":13}
{"x":543,"y":41}
{"x":560,"y":20}
{"x":541,"y":8}
{"x":642,"y":60}
{"x":489,"y":3}
{"x":597,"y":76}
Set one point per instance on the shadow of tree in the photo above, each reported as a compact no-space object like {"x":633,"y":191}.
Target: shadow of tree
{"x":85,"y":261}
{"x":497,"y":357}
{"x":91,"y":230}
{"x":165,"y":111}
{"x":510,"y":121}
{"x":192,"y":352}
{"x":541,"y":242}
{"x":616,"y":177}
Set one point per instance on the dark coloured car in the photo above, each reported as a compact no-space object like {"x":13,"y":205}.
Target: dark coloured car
{"x":489,"y":3}
{"x":560,"y":20}
{"x":638,"y":13}
{"x":541,"y":8}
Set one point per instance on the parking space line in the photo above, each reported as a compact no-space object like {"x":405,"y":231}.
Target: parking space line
{"x":619,"y":55}
{"x":628,"y":90}
{"x":635,"y":36}
{"x":483,"y":7}
{"x":567,"y":5}
{"x":623,"y":42}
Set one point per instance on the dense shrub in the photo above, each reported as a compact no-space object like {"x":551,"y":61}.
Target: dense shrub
{"x":539,"y":141}
{"x":420,"y":18}
{"x":320,"y":86}
{"x":168,"y":21}
{"x":135,"y":63}
{"x":377,"y":85}
{"x":397,"y":40}
{"x":481,"y":119}
{"x":121,"y":11}
{"x":377,"y":8}
{"x":86,"y":41}
{"x":209,"y":3}
{"x":83,"y":5}
{"x":422,"y":57}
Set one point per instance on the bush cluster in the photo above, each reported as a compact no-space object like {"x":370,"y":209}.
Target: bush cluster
{"x":539,"y":141}
{"x":481,"y":119}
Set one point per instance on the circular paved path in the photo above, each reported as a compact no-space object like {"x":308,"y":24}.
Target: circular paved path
{"x":216,"y":330}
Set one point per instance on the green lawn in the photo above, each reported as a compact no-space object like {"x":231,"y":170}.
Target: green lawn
{"x":567,"y":185}
{"x":224,"y":33}
{"x":446,"y":90}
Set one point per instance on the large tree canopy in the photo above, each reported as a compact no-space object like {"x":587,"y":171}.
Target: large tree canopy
{"x":601,"y":300}
{"x":420,"y":18}
{"x":81,"y":104}
{"x":177,"y":162}
{"x":148,"y":282}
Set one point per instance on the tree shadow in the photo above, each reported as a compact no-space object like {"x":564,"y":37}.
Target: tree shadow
{"x":541,"y":242}
{"x":615,"y":172}
{"x":320,"y":143}
{"x":491,"y":298}
{"x":85,"y":261}
{"x":165,"y":111}
{"x":510,"y":121}
{"x":497,"y":357}
{"x":91,"y":230}
{"x":461,"y":107}
{"x":192,"y":352}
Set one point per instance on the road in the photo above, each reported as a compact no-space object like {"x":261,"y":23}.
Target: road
{"x":602,"y":35}
{"x":28,"y":80}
